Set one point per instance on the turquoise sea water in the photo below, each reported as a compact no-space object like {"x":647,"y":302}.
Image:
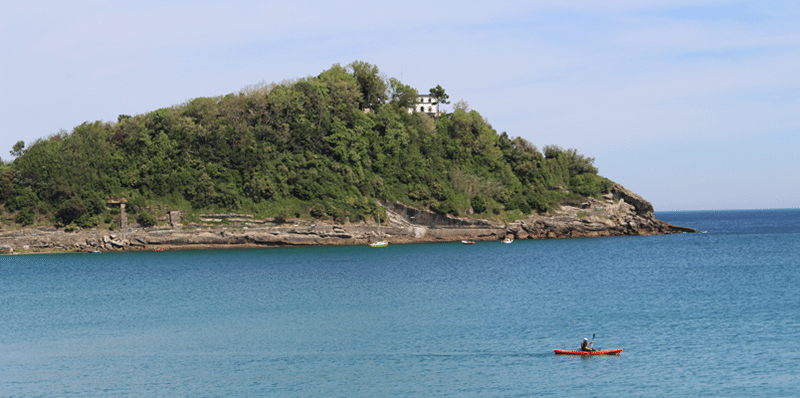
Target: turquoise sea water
{"x":711,"y":314}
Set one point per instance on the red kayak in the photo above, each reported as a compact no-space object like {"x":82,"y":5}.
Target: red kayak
{"x":599,"y":352}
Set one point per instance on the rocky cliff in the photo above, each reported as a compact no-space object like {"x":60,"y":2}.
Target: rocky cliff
{"x":619,"y":213}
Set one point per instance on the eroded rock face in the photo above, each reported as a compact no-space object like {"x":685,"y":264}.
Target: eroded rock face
{"x":619,"y":213}
{"x":641,"y":206}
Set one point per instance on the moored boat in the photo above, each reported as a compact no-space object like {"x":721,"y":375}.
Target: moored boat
{"x":468,"y":242}
{"x":598,"y":352}
{"x":381,"y":242}
{"x":507,"y":240}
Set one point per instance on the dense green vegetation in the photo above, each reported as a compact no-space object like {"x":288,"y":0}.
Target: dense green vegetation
{"x":321,"y":147}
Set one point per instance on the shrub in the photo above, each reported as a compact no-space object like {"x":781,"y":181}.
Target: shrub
{"x":538,"y":203}
{"x":88,"y":221}
{"x":282,"y":215}
{"x":136,"y":204}
{"x":478,"y":204}
{"x":259,"y":188}
{"x":318,"y":211}
{"x":145,"y":219}
{"x":445,"y":207}
{"x":341,"y":216}
{"x":25,"y":216}
{"x":525,"y":208}
{"x":70,"y":211}
{"x":420,"y":192}
{"x":94,"y":205}
{"x":22,"y":198}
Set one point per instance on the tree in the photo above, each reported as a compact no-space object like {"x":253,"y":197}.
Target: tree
{"x":25,"y":216}
{"x":18,"y":149}
{"x":23,"y":198}
{"x":70,"y":211}
{"x":6,"y":184}
{"x":478,"y":204}
{"x":402,"y":95}
{"x":552,"y":151}
{"x":440,"y":95}
{"x":292,"y":146}
{"x":146,"y":219}
{"x":463,"y":105}
{"x":373,"y":88}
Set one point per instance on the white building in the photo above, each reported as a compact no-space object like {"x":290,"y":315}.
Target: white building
{"x":426,"y":104}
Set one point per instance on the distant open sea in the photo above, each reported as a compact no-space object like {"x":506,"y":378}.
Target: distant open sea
{"x":713,"y":314}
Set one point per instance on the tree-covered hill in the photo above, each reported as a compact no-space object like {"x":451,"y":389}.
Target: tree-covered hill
{"x":320,"y":147}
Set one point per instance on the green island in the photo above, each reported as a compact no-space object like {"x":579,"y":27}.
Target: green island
{"x":330,"y":149}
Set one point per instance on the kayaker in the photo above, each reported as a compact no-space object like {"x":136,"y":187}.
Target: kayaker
{"x":585,"y":345}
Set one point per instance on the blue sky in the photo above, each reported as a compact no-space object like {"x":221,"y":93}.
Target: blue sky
{"x":695,"y":105}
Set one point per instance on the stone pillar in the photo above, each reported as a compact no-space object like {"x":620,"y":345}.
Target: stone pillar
{"x":123,"y":217}
{"x":175,"y":218}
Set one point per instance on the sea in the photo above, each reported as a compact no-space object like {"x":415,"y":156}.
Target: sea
{"x":710,"y":314}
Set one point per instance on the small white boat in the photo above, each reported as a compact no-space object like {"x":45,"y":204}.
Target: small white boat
{"x":507,"y":240}
{"x":468,"y":242}
{"x":381,"y":242}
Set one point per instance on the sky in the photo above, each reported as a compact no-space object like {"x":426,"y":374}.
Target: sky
{"x":692,"y":104}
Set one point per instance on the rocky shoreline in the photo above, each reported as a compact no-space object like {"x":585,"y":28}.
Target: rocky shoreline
{"x":619,"y":213}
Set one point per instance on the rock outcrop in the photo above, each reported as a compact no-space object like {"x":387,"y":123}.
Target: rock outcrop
{"x":619,"y":213}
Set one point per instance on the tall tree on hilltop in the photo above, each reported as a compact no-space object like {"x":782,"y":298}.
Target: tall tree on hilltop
{"x":373,"y":87}
{"x":439,"y":94}
{"x":18,"y":149}
{"x":402,"y":95}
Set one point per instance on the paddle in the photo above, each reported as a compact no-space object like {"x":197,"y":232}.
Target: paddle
{"x":593,"y":334}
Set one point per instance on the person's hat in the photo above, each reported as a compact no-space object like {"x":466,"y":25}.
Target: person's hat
{"x":585,"y":339}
